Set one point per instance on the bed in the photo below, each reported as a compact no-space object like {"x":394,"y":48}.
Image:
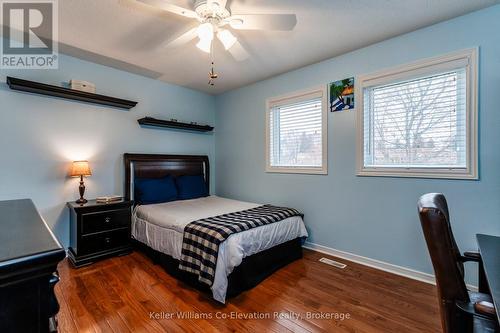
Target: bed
{"x":244,"y":259}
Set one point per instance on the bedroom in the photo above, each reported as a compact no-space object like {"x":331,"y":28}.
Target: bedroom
{"x":215,"y":147}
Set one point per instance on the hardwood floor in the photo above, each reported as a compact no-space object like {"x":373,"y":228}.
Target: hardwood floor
{"x":125,"y":294}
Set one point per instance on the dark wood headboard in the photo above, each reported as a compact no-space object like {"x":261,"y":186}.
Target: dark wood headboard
{"x":158,"y":166}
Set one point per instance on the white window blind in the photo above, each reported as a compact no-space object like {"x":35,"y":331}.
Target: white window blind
{"x":295,"y":133}
{"x":419,"y":123}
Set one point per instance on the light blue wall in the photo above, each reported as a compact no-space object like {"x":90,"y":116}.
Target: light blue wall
{"x":373,"y":217}
{"x":39,"y":136}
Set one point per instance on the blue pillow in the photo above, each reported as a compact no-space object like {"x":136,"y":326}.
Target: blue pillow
{"x":191,"y":187}
{"x":154,"y":190}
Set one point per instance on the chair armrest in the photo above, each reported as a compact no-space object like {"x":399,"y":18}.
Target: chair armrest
{"x":485,"y":308}
{"x":476,"y":257}
{"x":475,"y":309}
{"x":470,"y":256}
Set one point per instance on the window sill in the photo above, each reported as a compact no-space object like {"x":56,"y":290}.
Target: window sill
{"x":306,"y":171}
{"x":419,"y":173}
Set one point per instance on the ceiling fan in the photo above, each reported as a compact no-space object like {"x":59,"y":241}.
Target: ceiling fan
{"x":215,"y":19}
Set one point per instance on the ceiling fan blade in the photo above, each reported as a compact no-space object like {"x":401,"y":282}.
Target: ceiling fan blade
{"x":280,"y":22}
{"x":238,"y":52}
{"x":184,"y":38}
{"x":222,"y":3}
{"x":162,"y":4}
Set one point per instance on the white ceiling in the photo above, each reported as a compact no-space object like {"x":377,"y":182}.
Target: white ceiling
{"x":129,"y":35}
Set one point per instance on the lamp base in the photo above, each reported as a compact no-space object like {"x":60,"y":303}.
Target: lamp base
{"x":81,"y":201}
{"x":81,"y":189}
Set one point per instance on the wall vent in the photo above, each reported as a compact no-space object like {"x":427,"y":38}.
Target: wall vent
{"x":333,"y":263}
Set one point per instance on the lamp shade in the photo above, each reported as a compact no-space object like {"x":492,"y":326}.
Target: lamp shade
{"x":80,"y":168}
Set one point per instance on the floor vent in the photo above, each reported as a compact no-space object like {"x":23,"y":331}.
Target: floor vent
{"x":333,"y":263}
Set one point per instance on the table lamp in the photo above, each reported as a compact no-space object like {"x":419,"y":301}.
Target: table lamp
{"x":80,"y":169}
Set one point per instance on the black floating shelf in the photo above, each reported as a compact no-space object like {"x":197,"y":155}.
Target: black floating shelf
{"x":149,"y":121}
{"x":50,"y":90}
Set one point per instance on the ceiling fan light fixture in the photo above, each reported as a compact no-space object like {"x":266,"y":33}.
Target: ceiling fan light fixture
{"x":205,"y":45}
{"x":227,"y":38}
{"x":206,"y":32}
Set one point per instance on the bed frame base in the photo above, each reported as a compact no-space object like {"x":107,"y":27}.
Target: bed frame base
{"x":252,"y":270}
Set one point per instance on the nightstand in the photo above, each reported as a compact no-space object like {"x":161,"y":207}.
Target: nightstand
{"x":99,"y":230}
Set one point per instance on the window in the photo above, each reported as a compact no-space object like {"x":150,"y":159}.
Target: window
{"x":296,"y":133}
{"x":420,"y":120}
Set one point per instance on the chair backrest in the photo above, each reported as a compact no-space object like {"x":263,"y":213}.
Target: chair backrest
{"x":445,"y":255}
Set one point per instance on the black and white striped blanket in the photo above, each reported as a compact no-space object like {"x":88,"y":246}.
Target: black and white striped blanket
{"x":200,"y":245}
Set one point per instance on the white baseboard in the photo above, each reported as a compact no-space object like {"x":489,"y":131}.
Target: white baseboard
{"x":377,"y":264}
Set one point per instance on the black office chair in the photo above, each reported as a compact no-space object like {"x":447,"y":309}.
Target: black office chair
{"x":462,"y":311}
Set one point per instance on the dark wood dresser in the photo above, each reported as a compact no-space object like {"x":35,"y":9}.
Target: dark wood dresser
{"x":99,"y":230}
{"x":29,"y":254}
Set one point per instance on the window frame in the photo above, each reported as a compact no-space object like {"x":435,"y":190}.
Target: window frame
{"x":426,"y":67}
{"x":295,"y":97}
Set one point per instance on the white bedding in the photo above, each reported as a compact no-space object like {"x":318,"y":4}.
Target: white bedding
{"x":161,"y":227}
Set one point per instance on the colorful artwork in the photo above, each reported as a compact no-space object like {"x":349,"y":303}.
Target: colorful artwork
{"x":342,"y":95}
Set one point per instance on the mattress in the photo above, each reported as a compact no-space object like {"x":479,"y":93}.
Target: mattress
{"x":161,"y":227}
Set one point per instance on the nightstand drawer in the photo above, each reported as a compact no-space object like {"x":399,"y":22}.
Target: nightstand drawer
{"x":104,"y":241}
{"x":106,"y":220}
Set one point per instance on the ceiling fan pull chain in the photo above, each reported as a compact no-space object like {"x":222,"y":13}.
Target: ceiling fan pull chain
{"x":212,"y":75}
